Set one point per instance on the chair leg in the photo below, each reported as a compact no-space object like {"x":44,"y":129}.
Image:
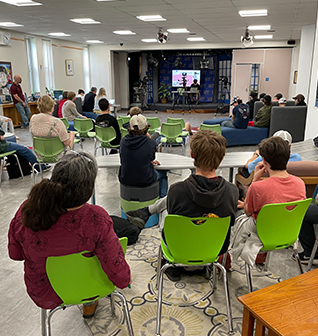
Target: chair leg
{"x":223,"y":263}
{"x":81,"y":143}
{"x":159,"y":305}
{"x":33,"y":172}
{"x":1,"y":167}
{"x":298,"y":261}
{"x":267,"y":261}
{"x":126,"y":312}
{"x":18,"y":162}
{"x":48,"y":319}
{"x":227,"y":297}
{"x":215,"y":280}
{"x":312,"y":256}
{"x":158,"y":266}
{"x":43,"y":320}
{"x":248,"y":278}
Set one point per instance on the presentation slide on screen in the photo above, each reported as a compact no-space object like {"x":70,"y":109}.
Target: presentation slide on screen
{"x":189,"y":75}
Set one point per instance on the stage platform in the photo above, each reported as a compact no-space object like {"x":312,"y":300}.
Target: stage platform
{"x":179,"y":108}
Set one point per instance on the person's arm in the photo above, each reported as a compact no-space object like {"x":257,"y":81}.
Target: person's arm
{"x":14,"y":247}
{"x":19,"y":99}
{"x":255,"y":159}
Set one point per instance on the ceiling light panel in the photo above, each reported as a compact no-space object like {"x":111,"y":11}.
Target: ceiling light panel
{"x":178,"y":30}
{"x":10,"y":24}
{"x":259,"y":27}
{"x":196,"y":39}
{"x":247,"y":13}
{"x":94,"y":41}
{"x":59,"y":34}
{"x":149,"y":40}
{"x":263,"y":37}
{"x":21,"y":3}
{"x":151,"y":18}
{"x":124,"y":32}
{"x":85,"y":21}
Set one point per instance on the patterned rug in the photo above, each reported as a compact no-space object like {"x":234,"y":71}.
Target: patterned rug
{"x":190,"y":306}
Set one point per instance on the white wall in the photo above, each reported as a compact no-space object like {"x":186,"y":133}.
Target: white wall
{"x":124,"y":80}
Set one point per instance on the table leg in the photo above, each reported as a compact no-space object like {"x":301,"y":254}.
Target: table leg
{"x":231,"y":174}
{"x":248,"y":323}
{"x":260,"y":329}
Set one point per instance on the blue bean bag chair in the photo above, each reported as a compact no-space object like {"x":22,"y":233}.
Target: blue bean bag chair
{"x":90,"y":115}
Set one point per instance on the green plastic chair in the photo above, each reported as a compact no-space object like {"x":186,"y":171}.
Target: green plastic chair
{"x":215,"y":128}
{"x":67,"y":125}
{"x":172,"y":135}
{"x":84,"y":127}
{"x":189,"y":243}
{"x":154,"y":123}
{"x":120,"y":122}
{"x":2,"y":162}
{"x":178,"y":120}
{"x":105,"y":135}
{"x":125,"y":119}
{"x":278,"y":226}
{"x":123,"y":132}
{"x":78,"y":279}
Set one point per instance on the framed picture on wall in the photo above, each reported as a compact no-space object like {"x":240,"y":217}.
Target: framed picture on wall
{"x":5,"y":79}
{"x":69,"y":67}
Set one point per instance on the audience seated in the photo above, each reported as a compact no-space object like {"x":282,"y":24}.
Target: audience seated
{"x":300,"y":100}
{"x":81,"y":94}
{"x":107,"y":120}
{"x":6,"y":124}
{"x":250,"y":103}
{"x":55,"y":220}
{"x":44,"y":125}
{"x":263,"y":116}
{"x":277,"y":97}
{"x":69,"y":110}
{"x":240,"y":115}
{"x":282,"y":102}
{"x":262,"y":95}
{"x":137,"y":158}
{"x":101,"y":95}
{"x":89,"y":100}
{"x":278,"y":188}
{"x":61,"y":103}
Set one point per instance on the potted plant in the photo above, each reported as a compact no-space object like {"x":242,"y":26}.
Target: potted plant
{"x":164,"y":92}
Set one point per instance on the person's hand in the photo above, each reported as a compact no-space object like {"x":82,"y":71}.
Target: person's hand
{"x":85,"y":117}
{"x":1,"y":137}
{"x":259,"y":171}
{"x":23,"y":103}
{"x":240,"y":204}
{"x":155,"y":163}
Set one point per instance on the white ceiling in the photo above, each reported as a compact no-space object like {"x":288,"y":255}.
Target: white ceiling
{"x":217,"y":21}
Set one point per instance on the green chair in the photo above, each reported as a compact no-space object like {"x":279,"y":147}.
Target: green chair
{"x":215,"y":128}
{"x":105,"y":135}
{"x":48,"y":149}
{"x":67,"y":125}
{"x":154,"y":123}
{"x":178,"y":120}
{"x":192,"y":241}
{"x":125,"y":119}
{"x":79,"y":278}
{"x":172,"y":135}
{"x":2,"y":162}
{"x":84,"y":128}
{"x":278,"y":226}
{"x":123,"y":132}
{"x":120,"y":122}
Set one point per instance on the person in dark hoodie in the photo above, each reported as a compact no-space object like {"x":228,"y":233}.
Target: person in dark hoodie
{"x":202,"y":194}
{"x":137,"y":158}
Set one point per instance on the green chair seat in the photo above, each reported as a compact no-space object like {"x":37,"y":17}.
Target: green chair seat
{"x":105,"y":135}
{"x":171,"y":135}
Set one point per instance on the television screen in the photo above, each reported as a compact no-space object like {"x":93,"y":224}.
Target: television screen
{"x":190,"y":75}
{"x":57,"y":93}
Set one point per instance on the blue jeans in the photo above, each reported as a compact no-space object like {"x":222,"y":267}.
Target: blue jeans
{"x":24,"y":152}
{"x":24,"y":113}
{"x":227,"y":123}
{"x":163,"y":182}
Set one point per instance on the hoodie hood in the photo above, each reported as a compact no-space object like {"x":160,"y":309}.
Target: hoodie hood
{"x":134,"y":142}
{"x":205,"y":192}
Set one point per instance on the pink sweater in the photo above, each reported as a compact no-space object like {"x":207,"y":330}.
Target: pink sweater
{"x":88,"y":228}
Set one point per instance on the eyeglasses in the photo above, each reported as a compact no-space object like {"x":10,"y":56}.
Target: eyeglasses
{"x":79,"y":155}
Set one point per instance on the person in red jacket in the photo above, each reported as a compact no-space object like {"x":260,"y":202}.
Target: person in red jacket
{"x":55,"y":220}
{"x":61,"y":103}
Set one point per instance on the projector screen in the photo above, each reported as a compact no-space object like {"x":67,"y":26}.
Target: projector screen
{"x":190,"y":76}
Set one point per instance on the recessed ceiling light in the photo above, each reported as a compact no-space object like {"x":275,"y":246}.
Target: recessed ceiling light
{"x":263,"y":37}
{"x":124,"y":32}
{"x":195,"y":39}
{"x":111,"y":0}
{"x":246,"y":13}
{"x":259,"y":27}
{"x":151,"y":18}
{"x":85,"y":21}
{"x":149,"y":40}
{"x":21,"y":3}
{"x":178,"y":30}
{"x":94,"y":41}
{"x":59,"y":34}
{"x":10,"y":24}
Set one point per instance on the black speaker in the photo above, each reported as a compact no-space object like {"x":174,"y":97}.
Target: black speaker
{"x":291,"y":42}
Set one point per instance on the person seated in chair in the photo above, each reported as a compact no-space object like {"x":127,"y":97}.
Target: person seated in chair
{"x":107,"y":120}
{"x":263,"y":116}
{"x":282,"y":102}
{"x":240,"y":115}
{"x":195,"y":85}
{"x":251,"y":102}
{"x":69,"y":110}
{"x":280,"y":187}
{"x":61,"y":103}
{"x":89,"y":100}
{"x":203,"y":194}
{"x":300,"y":100}
{"x":137,"y":158}
{"x":56,"y":220}
{"x":277,"y":97}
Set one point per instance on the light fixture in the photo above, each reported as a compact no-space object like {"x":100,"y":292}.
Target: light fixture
{"x":10,"y":24}
{"x":263,"y":37}
{"x":195,"y":39}
{"x":59,"y":34}
{"x":247,"y":13}
{"x":21,"y":3}
{"x":268,"y":27}
{"x":85,"y":21}
{"x":151,"y":18}
{"x":94,"y":41}
{"x":149,"y":40}
{"x":110,"y":0}
{"x":124,"y":32}
{"x":178,"y":30}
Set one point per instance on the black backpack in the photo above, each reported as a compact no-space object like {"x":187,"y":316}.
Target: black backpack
{"x":13,"y":168}
{"x":124,"y":228}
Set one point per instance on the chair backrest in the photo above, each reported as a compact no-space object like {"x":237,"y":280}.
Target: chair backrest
{"x":123,"y":132}
{"x":105,"y":134}
{"x":171,"y":131}
{"x":154,"y":123}
{"x":79,"y":104}
{"x":176,"y":120}
{"x":120,"y":122}
{"x":79,"y":277}
{"x":215,"y":128}
{"x":278,"y":224}
{"x":194,"y":244}
{"x":48,"y":148}
{"x":83,"y":126}
{"x":65,"y":122}
{"x":125,"y":119}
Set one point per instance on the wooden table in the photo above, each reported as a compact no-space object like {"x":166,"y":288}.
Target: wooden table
{"x":10,"y":111}
{"x":288,"y":308}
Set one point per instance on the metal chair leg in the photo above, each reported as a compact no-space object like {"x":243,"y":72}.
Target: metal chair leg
{"x":298,"y":261}
{"x":126,"y":312}
{"x":312,"y":256}
{"x":18,"y":162}
{"x":112,"y":305}
{"x":224,"y":257}
{"x":267,"y":261}
{"x":215,"y":280}
{"x":227,"y":297}
{"x":1,"y":167}
{"x":33,"y":172}
{"x":248,"y":278}
{"x":48,"y":319}
{"x":158,"y":266}
{"x":43,"y":320}
{"x":159,"y":305}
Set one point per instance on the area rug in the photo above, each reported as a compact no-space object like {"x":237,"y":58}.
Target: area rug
{"x":190,"y":306}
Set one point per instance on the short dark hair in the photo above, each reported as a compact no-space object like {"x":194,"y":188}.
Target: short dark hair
{"x":103,"y":104}
{"x":239,"y":101}
{"x":138,"y":132}
{"x":267,"y":99}
{"x":94,"y":89}
{"x":64,"y":94}
{"x":80,"y":91}
{"x":262,"y":95}
{"x":71,"y":95}
{"x":275,"y":151}
{"x":195,"y":80}
{"x":253,"y":94}
{"x":278,"y":96}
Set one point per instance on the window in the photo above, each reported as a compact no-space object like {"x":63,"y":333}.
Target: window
{"x":255,"y":77}
{"x":33,"y":64}
{"x":48,"y":65}
{"x":86,"y":69}
{"x":224,"y":92}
